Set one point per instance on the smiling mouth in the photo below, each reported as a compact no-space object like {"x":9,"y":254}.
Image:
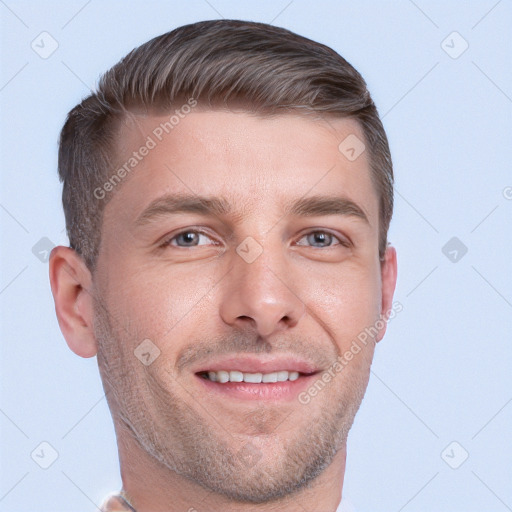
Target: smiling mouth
{"x":236,"y":386}
{"x":225,"y":376}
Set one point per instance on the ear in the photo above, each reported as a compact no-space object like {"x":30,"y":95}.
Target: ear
{"x":71,"y":281}
{"x":388,"y":271}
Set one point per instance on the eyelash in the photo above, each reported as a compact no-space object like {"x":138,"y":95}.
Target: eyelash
{"x":342,"y":242}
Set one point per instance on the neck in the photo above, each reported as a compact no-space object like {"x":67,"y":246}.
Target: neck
{"x":152,"y":487}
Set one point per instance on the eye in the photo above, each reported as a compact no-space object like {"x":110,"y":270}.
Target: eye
{"x":188,"y":238}
{"x":321,"y":239}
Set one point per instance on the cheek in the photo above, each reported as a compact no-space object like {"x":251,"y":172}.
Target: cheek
{"x":157,"y":302}
{"x":347,"y":301}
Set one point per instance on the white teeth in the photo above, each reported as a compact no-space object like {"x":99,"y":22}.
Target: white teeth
{"x":223,"y":376}
{"x":254,"y":378}
{"x":282,"y":376}
{"x":235,"y":376}
{"x":293,"y":375}
{"x":269,"y":377}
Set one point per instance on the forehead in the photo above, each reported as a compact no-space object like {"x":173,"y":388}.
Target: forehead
{"x":252,"y":160}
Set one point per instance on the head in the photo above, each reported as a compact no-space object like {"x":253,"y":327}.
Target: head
{"x":227,"y":192}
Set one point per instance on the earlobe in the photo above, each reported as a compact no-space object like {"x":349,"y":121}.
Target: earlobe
{"x":70,"y":281}
{"x":388,"y":283}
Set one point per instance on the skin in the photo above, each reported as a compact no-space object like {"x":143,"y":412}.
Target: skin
{"x":179,"y":448}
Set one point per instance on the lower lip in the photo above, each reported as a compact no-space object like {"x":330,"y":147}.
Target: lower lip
{"x":268,"y":391}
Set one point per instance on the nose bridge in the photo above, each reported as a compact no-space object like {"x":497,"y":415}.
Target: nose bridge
{"x":260,"y":288}
{"x":257,"y":264}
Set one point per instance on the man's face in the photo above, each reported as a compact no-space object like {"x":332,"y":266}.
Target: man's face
{"x":257,"y":280}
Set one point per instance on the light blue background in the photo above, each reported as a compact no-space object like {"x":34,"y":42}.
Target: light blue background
{"x":443,"y":371}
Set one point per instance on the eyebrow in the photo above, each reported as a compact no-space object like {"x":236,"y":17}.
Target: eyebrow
{"x":219,"y":206}
{"x":172,"y":204}
{"x":326,"y":205}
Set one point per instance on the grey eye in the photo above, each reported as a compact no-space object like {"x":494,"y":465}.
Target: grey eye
{"x":320,"y":239}
{"x":189,"y":238}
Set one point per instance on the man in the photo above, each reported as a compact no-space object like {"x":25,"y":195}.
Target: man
{"x":227,"y":191}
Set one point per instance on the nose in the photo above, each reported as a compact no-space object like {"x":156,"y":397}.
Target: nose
{"x":260,"y":293}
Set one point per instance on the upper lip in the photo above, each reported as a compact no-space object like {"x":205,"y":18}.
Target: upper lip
{"x":258,"y":365}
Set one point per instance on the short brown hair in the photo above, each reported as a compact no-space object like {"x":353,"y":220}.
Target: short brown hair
{"x":220,"y":63}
